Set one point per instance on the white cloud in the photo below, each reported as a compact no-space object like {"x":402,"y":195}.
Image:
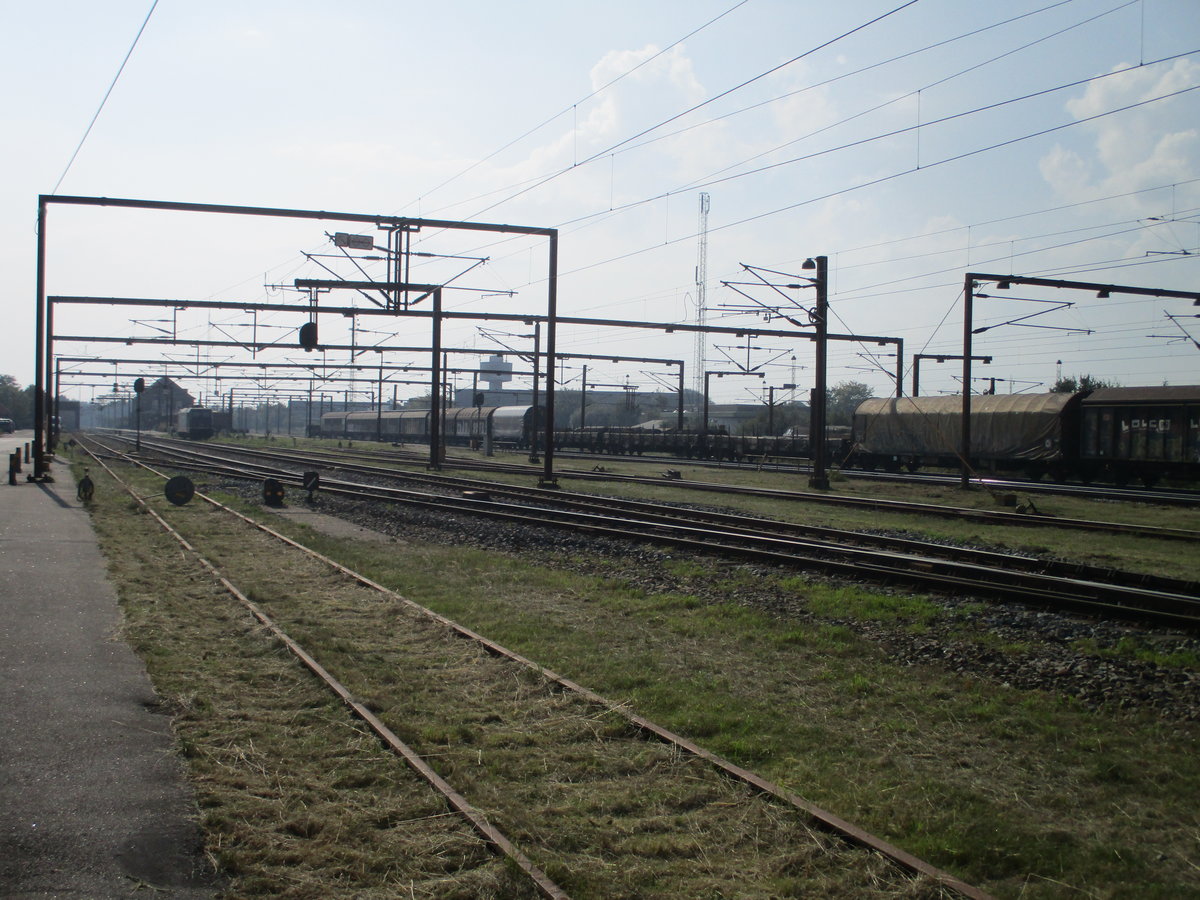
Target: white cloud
{"x":674,"y":67}
{"x":1067,"y":171}
{"x":1134,"y":149}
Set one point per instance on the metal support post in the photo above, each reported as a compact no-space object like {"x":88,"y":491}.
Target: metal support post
{"x":548,"y":479}
{"x":703,"y":429}
{"x":537,"y":352}
{"x":679,"y":411}
{"x":583,"y":401}
{"x":968,"y":313}
{"x":39,"y":390}
{"x":435,"y":386}
{"x":819,"y":479}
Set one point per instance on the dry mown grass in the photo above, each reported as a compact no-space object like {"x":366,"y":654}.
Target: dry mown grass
{"x":297,"y":801}
{"x":1024,"y":792}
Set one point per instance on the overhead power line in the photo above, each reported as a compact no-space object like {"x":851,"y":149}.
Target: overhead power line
{"x":700,"y":105}
{"x":99,"y":109}
{"x":889,"y":177}
{"x":628,"y":148}
{"x":574,"y":105}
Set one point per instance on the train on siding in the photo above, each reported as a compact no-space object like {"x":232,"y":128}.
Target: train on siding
{"x":1110,"y":434}
{"x":716,"y":444}
{"x":195,"y":422}
{"x":507,"y":425}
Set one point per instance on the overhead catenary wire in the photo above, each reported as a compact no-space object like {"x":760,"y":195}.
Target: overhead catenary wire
{"x":893,"y":133}
{"x":886,"y":178}
{"x":711,"y":181}
{"x":610,"y":153}
{"x":603,"y":153}
{"x":917,"y":93}
{"x":572,"y":107}
{"x":976,"y":31}
{"x":100,"y":108}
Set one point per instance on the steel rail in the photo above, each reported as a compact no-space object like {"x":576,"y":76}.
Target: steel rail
{"x":757,"y":526}
{"x":799,"y":465}
{"x":774,"y":528}
{"x":826,"y":819}
{"x":1061,"y":591}
{"x":457,"y":801}
{"x":877,"y":505}
{"x":991,"y":517}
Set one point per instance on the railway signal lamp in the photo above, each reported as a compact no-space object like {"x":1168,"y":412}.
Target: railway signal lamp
{"x":272,"y":492}
{"x":308,"y":336}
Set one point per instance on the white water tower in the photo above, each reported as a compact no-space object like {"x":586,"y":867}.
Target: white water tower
{"x":495,"y":372}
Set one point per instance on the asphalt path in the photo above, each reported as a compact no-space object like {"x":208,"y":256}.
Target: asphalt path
{"x":93,"y":802}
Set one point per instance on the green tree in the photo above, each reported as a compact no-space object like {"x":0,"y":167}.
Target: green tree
{"x":843,"y":399}
{"x":791,"y":415}
{"x":16,"y":403}
{"x":1069,"y":384}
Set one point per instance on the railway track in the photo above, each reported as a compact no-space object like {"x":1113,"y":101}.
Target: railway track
{"x":963,"y":513}
{"x":1164,"y":496}
{"x":856,"y":556}
{"x":758,"y":809}
{"x":338,"y":459}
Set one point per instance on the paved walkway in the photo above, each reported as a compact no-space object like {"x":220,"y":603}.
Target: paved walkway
{"x":92,"y":801}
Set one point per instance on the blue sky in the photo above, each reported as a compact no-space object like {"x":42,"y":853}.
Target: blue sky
{"x":576,"y":115}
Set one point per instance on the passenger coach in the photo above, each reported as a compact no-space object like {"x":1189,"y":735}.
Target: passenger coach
{"x":465,"y":426}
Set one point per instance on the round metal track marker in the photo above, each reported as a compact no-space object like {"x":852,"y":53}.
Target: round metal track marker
{"x":179,"y":490}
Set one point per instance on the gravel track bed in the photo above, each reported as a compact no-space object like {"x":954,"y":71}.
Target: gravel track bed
{"x":1041,"y":649}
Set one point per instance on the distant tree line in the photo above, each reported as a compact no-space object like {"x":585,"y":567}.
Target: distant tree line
{"x":16,"y":402}
{"x":1069,"y":384}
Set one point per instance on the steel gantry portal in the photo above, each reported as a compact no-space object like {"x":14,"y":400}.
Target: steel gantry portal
{"x":45,"y":325}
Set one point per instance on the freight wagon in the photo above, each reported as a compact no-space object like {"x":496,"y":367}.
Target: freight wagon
{"x":1117,"y":434}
